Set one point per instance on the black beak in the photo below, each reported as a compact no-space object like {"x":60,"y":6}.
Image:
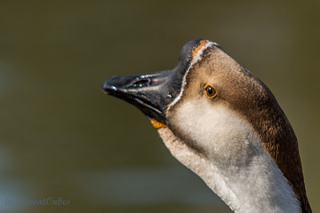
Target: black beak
{"x":151,"y":93}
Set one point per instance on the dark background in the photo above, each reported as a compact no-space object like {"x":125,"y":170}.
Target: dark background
{"x":61,"y":137}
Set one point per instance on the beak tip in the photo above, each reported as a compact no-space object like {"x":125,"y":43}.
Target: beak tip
{"x":105,"y":91}
{"x":107,"y":87}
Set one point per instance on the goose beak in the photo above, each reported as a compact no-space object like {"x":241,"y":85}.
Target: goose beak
{"x":151,"y":93}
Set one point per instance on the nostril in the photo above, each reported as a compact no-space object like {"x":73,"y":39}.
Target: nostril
{"x":141,"y":83}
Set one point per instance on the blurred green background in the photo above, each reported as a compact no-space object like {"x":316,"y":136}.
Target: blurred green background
{"x":62,"y":138}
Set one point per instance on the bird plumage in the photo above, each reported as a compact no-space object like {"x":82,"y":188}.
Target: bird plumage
{"x":238,"y":141}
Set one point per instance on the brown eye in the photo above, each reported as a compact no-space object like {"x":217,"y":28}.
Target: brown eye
{"x":210,"y":91}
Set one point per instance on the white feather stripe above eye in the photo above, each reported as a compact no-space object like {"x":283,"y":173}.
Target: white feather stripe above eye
{"x":195,"y":59}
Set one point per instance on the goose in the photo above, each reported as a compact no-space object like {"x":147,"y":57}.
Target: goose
{"x":225,"y":125}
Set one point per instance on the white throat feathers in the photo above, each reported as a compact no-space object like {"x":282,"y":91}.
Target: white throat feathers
{"x":227,"y":154}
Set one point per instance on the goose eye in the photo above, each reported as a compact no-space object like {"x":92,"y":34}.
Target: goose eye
{"x":210,"y":91}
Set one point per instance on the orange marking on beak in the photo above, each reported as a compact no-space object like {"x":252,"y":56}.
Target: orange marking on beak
{"x":197,"y":48}
{"x":156,"y":124}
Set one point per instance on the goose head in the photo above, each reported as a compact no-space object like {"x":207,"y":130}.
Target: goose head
{"x":224,"y":124}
